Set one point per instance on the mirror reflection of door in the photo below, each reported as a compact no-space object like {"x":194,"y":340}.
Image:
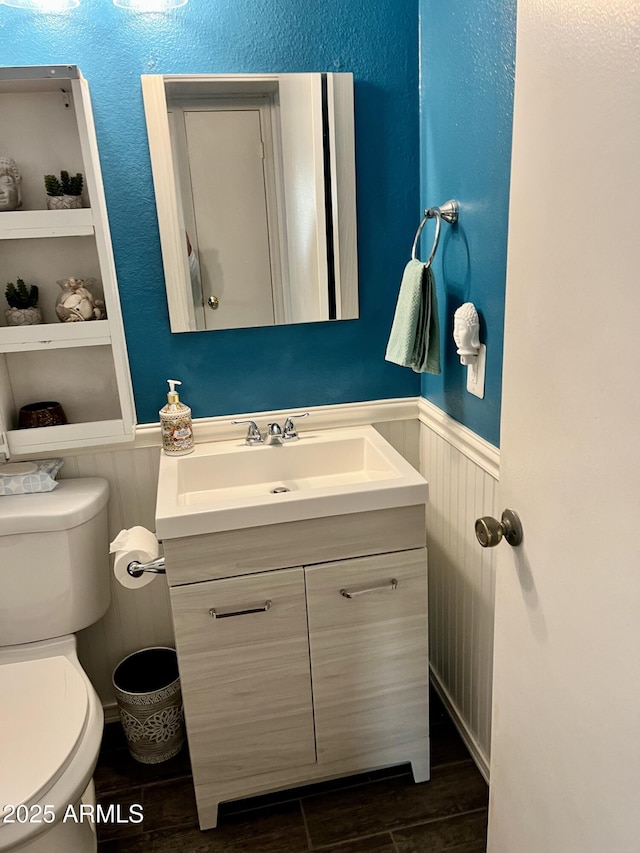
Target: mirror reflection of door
{"x":275,"y":165}
{"x":226,"y":164}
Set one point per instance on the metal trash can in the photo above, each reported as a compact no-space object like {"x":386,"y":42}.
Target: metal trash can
{"x":147,"y":687}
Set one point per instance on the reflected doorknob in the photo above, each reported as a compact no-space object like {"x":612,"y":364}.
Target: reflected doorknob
{"x":489,"y":531}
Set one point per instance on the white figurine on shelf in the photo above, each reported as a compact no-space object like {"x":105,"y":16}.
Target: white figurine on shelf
{"x":466,"y":333}
{"x":75,"y":303}
{"x":10,"y":185}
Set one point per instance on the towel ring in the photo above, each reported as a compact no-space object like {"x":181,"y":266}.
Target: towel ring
{"x":447,"y":211}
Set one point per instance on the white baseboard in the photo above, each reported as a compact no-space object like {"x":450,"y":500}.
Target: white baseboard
{"x":111,"y":713}
{"x":471,"y":743}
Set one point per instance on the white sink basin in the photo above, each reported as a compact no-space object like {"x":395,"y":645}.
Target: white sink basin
{"x":226,"y":485}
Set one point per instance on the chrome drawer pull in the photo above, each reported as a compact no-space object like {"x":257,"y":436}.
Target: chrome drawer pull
{"x":224,"y":612}
{"x":390,"y":585}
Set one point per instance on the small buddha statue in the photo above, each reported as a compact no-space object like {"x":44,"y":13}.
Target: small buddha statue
{"x":466,"y":333}
{"x":10,"y":185}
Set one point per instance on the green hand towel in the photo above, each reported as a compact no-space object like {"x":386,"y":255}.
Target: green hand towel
{"x":415,"y":333}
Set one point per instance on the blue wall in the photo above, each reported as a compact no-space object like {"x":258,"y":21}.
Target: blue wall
{"x":467,"y":51}
{"x":249,"y":369}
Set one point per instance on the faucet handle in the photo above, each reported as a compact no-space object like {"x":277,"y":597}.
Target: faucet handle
{"x":253,"y":433}
{"x":289,"y":432}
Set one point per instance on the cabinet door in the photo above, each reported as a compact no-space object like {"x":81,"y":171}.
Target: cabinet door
{"x":245,"y":678}
{"x":369,"y":653}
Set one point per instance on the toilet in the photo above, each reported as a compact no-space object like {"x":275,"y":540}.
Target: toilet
{"x":54,"y":581}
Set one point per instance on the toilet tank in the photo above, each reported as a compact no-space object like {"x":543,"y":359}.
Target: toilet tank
{"x":54,"y":561}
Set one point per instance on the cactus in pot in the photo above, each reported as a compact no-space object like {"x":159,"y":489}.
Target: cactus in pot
{"x":64,"y":193}
{"x":52,"y":185}
{"x":23,"y":304}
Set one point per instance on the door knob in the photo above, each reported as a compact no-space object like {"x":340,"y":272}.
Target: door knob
{"x":489,"y":531}
{"x":213,"y":302}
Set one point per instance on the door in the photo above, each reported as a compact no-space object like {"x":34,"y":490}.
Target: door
{"x":369,"y":657}
{"x":229,"y":197}
{"x":565,"y":753}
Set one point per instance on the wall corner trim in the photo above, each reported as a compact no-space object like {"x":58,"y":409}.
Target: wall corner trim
{"x":480,"y":451}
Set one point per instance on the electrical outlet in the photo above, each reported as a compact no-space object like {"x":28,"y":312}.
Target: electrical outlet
{"x":475,"y":373}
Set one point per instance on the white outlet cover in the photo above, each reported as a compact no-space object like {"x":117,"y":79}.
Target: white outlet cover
{"x":475,"y":374}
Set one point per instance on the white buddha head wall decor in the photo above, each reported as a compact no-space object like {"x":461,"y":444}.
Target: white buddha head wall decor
{"x":466,"y":332}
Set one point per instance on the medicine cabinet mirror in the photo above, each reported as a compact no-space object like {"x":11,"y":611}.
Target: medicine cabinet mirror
{"x":254,"y":179}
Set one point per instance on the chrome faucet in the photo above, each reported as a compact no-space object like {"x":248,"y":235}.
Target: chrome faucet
{"x":282,"y":435}
{"x":289,"y":432}
{"x":275,"y":433}
{"x":253,"y":433}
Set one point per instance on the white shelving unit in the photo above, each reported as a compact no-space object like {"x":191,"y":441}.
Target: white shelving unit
{"x":47,"y":122}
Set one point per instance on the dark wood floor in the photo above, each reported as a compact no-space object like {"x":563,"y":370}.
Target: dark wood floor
{"x":381,"y":812}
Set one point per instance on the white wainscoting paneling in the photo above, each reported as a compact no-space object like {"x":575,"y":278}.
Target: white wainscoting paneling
{"x":404,"y":436}
{"x":461,"y":578}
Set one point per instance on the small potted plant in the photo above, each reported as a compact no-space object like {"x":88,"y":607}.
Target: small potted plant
{"x":64,"y":193}
{"x":23,"y":304}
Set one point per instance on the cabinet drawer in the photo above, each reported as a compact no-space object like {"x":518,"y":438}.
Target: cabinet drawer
{"x":294,"y":543}
{"x":369,"y":653}
{"x":245,"y":678}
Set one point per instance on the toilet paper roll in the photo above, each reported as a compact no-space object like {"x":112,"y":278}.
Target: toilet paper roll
{"x":139,"y":544}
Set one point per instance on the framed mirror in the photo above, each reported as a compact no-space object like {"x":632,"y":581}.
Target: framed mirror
{"x":254,"y":178}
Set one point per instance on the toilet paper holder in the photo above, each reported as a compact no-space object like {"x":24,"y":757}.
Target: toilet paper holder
{"x":155,"y":567}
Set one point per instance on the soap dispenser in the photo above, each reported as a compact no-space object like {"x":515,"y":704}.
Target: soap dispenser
{"x":175,"y":423}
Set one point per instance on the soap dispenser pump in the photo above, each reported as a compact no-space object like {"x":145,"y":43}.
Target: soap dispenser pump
{"x":175,"y":423}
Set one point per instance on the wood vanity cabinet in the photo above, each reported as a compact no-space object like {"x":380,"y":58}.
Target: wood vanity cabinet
{"x":296,"y":673}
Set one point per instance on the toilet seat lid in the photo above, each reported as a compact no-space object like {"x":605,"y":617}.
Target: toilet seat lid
{"x":44,"y":711}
